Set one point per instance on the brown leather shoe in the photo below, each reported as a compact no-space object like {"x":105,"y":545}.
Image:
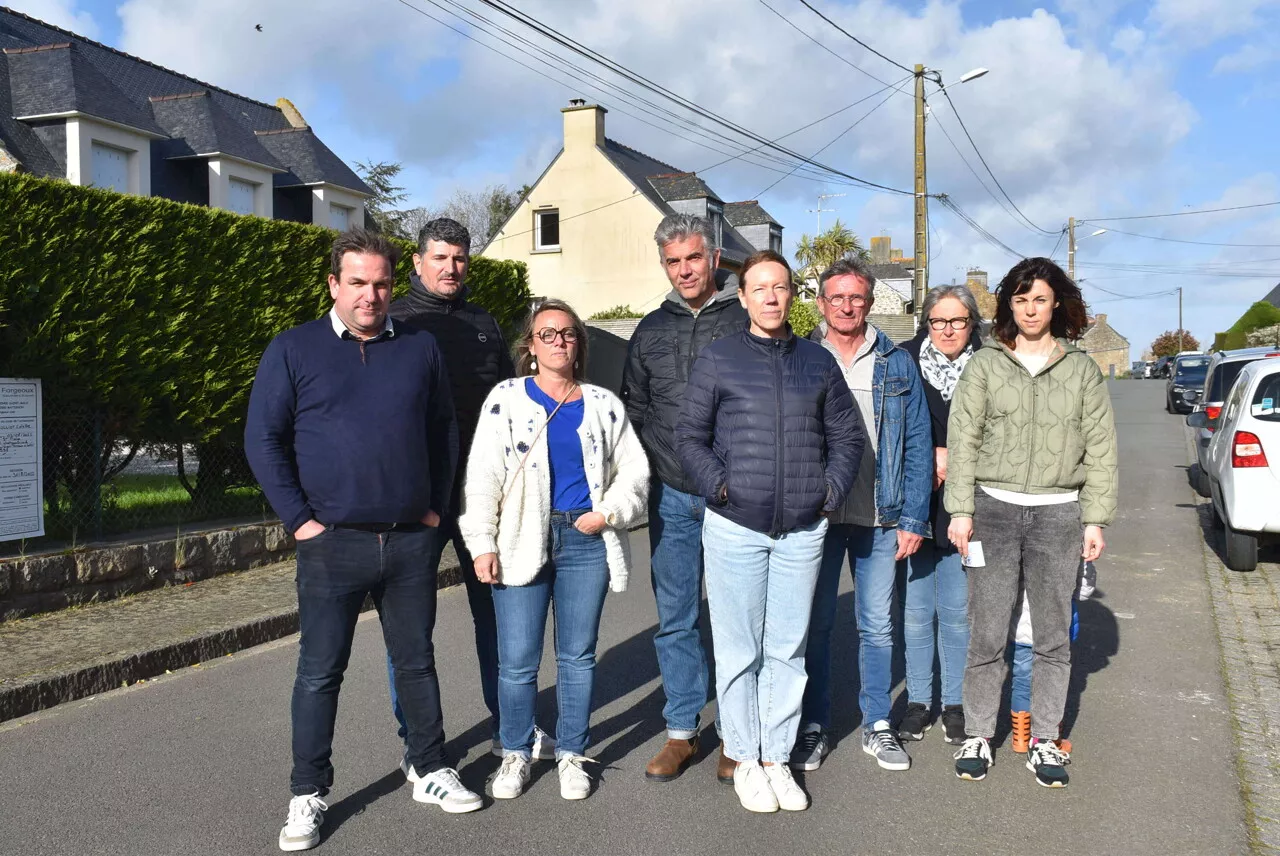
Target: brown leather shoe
{"x":724,"y":770}
{"x":671,"y":760}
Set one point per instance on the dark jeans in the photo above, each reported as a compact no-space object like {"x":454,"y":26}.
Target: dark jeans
{"x":480,"y":599}
{"x":574,"y":581}
{"x":1041,"y":545}
{"x":336,"y":570}
{"x":675,"y":544}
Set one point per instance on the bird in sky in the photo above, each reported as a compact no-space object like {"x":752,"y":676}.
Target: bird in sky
{"x":258,"y":27}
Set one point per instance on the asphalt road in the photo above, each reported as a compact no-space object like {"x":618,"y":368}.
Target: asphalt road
{"x":197,"y":762}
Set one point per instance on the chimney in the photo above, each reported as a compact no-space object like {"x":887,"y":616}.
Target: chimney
{"x":291,"y":113}
{"x":881,"y":249}
{"x":583,"y":125}
{"x":1100,"y":318}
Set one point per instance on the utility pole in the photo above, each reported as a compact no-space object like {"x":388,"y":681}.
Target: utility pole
{"x":1071,"y":248}
{"x":921,"y":219}
{"x":821,"y":198}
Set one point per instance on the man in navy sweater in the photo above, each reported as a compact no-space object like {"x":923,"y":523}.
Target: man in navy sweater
{"x":351,"y":433}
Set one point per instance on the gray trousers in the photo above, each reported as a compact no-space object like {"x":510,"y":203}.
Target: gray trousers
{"x":1039,"y":545}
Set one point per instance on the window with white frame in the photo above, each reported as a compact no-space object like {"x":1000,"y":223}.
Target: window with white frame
{"x":241,"y":195}
{"x":546,"y":229}
{"x":339,"y":217}
{"x":110,"y":167}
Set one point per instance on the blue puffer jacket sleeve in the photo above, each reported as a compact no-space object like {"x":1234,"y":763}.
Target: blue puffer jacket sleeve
{"x":846,"y":438}
{"x":695,"y":429}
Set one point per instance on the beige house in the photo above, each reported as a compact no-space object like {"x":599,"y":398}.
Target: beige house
{"x":1108,"y":348}
{"x":586,"y":227}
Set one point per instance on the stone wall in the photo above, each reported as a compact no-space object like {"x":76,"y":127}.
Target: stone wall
{"x":1118,"y":357}
{"x":34,"y":584}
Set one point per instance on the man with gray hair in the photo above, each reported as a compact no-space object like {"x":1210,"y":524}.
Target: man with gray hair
{"x":883,"y":521}
{"x":703,"y":306}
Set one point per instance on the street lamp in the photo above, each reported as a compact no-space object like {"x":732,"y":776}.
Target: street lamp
{"x":921,"y":187}
{"x":1071,"y":246}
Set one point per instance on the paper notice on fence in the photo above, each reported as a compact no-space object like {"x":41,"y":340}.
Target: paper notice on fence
{"x":21,"y":496}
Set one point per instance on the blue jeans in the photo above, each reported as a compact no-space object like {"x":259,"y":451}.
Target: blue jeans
{"x":480,"y":599}
{"x":760,"y":591}
{"x":870,"y":550}
{"x":936,"y":588}
{"x":675,"y":545}
{"x":336,"y":570}
{"x":575,"y":578}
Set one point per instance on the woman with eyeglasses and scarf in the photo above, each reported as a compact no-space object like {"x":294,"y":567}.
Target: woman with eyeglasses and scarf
{"x":937,"y":594}
{"x":555,"y":477}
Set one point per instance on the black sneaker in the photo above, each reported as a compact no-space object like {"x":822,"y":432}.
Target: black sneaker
{"x":1049,"y":763}
{"x":953,"y":724}
{"x":915,"y":723}
{"x":974,"y":759}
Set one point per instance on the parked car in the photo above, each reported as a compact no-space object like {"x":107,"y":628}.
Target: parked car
{"x":1224,"y":366}
{"x":1244,"y":483}
{"x":1161,"y":367}
{"x":1138,"y":370}
{"x":1149,"y":369}
{"x":1188,"y":374}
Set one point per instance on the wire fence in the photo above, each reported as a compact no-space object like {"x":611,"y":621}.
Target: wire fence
{"x":101,"y":486}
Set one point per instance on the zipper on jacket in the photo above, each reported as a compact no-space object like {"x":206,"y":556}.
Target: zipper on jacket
{"x":780,"y":444}
{"x":1031,"y":432}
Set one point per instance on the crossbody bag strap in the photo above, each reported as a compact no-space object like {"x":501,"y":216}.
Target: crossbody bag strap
{"x":534,"y":442}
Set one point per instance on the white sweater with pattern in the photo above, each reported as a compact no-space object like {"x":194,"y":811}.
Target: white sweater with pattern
{"x":517,"y":529}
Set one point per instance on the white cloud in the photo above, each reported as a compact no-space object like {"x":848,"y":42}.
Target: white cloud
{"x":1250,"y":57}
{"x":61,"y":13}
{"x":1201,"y":23}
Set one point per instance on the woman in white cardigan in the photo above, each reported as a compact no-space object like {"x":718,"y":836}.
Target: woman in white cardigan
{"x":555,"y":476}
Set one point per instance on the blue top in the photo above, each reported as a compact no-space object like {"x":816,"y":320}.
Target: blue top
{"x":569,"y":490}
{"x":345,"y":431}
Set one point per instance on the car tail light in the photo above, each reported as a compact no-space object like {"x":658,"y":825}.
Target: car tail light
{"x":1212,"y":413}
{"x":1246,"y":450}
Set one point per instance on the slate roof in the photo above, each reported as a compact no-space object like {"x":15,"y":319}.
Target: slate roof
{"x":96,"y":79}
{"x":639,"y":168}
{"x":674,"y":186}
{"x":1273,"y":297}
{"x":748,"y":213}
{"x":200,"y":126}
{"x":892,"y":270}
{"x":309,"y":160}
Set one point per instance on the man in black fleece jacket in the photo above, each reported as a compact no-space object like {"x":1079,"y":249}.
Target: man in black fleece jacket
{"x":476,"y":357}
{"x":351,"y":434}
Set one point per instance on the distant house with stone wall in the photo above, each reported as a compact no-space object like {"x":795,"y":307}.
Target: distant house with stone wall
{"x":1108,"y":348}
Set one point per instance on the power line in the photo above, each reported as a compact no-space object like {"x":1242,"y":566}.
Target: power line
{"x":638,"y":79}
{"x":1183,"y":213}
{"x":843,"y":59}
{"x":840,"y":29}
{"x":631,"y":99}
{"x":955,"y":209}
{"x":977,"y":151}
{"x":1178,"y":240}
{"x":834,"y":140}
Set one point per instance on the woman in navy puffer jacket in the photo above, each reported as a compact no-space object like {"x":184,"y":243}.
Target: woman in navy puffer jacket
{"x":770,"y":436}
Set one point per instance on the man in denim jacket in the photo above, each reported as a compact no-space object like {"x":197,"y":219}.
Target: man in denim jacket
{"x":883,"y":521}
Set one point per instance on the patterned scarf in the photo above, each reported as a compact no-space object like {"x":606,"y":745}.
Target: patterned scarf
{"x":940,"y":372}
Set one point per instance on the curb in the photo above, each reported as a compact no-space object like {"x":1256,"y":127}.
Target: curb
{"x":46,"y":691}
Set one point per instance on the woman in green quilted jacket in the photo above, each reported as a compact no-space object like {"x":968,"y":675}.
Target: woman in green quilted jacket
{"x":1031,"y":482}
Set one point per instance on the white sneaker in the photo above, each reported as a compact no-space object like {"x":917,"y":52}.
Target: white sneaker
{"x":302,"y":828}
{"x":513,"y":776}
{"x":544,"y":745}
{"x":443,"y":788}
{"x":752,"y":787}
{"x":575,"y":784}
{"x":407,"y":769}
{"x":789,"y":795}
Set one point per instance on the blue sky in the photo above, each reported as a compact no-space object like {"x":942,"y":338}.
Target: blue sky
{"x":1091,"y":108}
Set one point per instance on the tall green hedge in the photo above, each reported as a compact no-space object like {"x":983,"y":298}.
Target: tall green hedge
{"x":154,"y":314}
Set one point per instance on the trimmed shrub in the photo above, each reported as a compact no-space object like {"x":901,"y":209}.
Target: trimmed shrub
{"x":617,"y":313}
{"x":153,"y":314}
{"x":804,"y":317}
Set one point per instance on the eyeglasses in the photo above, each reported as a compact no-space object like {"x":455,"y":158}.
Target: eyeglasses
{"x":547,"y":335}
{"x":839,"y":300}
{"x":953,"y":323}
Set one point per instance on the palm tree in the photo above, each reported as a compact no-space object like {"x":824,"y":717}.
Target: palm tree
{"x":815,"y":255}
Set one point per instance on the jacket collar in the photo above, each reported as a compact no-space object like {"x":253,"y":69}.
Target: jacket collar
{"x":763,"y":343}
{"x":422,"y":300}
{"x":1061,"y":349}
{"x":883,"y":344}
{"x":726,"y":290}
